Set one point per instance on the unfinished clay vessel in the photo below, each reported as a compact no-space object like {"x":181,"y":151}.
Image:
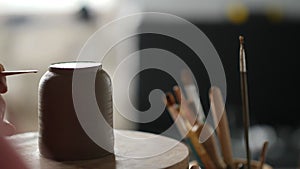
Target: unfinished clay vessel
{"x":61,"y":136}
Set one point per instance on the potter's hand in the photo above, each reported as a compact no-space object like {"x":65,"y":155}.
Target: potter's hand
{"x":5,"y":127}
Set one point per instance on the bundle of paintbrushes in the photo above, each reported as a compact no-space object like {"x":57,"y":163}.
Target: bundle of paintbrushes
{"x":188,"y":114}
{"x":190,"y":127}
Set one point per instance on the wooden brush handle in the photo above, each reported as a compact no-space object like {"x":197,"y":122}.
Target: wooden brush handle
{"x":16,"y":72}
{"x":263,"y":154}
{"x":211,"y":147}
{"x":200,"y":149}
{"x":184,"y":106}
{"x":223,"y":132}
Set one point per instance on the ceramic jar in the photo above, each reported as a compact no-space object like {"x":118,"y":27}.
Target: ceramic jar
{"x":61,"y":136}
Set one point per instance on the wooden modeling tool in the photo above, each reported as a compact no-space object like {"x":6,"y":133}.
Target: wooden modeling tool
{"x":16,"y":72}
{"x":223,"y":132}
{"x":245,"y":102}
{"x":263,"y":154}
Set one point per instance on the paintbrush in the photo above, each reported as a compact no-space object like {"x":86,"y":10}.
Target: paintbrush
{"x":223,"y":132}
{"x":245,"y":102}
{"x":263,"y":154}
{"x":210,"y":144}
{"x":184,"y":107}
{"x":179,"y":122}
{"x":192,"y":94}
{"x":196,"y":105}
{"x":194,"y":97}
{"x":184,"y":126}
{"x":16,"y":72}
{"x":173,"y":111}
{"x":193,"y":135}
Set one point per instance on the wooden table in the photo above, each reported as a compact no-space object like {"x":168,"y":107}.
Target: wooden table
{"x":130,"y":154}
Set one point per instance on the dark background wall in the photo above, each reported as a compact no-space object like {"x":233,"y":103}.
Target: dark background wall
{"x":271,"y":50}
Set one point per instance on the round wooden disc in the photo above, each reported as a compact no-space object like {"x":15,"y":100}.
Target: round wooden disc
{"x":142,"y":152}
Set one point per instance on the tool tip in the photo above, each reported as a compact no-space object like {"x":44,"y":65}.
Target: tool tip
{"x":170,"y":98}
{"x":241,"y":38}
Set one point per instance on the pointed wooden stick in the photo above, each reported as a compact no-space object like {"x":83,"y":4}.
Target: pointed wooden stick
{"x":263,"y":154}
{"x":16,"y":72}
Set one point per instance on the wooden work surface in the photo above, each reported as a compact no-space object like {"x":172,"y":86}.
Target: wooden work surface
{"x":130,"y":154}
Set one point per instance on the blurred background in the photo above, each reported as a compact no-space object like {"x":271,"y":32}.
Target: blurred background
{"x":34,"y":34}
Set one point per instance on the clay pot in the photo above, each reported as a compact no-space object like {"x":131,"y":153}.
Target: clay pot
{"x":61,"y":136}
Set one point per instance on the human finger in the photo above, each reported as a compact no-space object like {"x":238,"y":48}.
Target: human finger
{"x":3,"y":85}
{"x":6,"y":128}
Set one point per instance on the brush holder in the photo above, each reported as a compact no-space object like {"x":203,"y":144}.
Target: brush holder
{"x":254,"y":164}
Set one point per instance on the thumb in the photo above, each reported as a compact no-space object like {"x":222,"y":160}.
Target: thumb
{"x":2,"y":108}
{"x":3,"y":85}
{"x":6,"y":128}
